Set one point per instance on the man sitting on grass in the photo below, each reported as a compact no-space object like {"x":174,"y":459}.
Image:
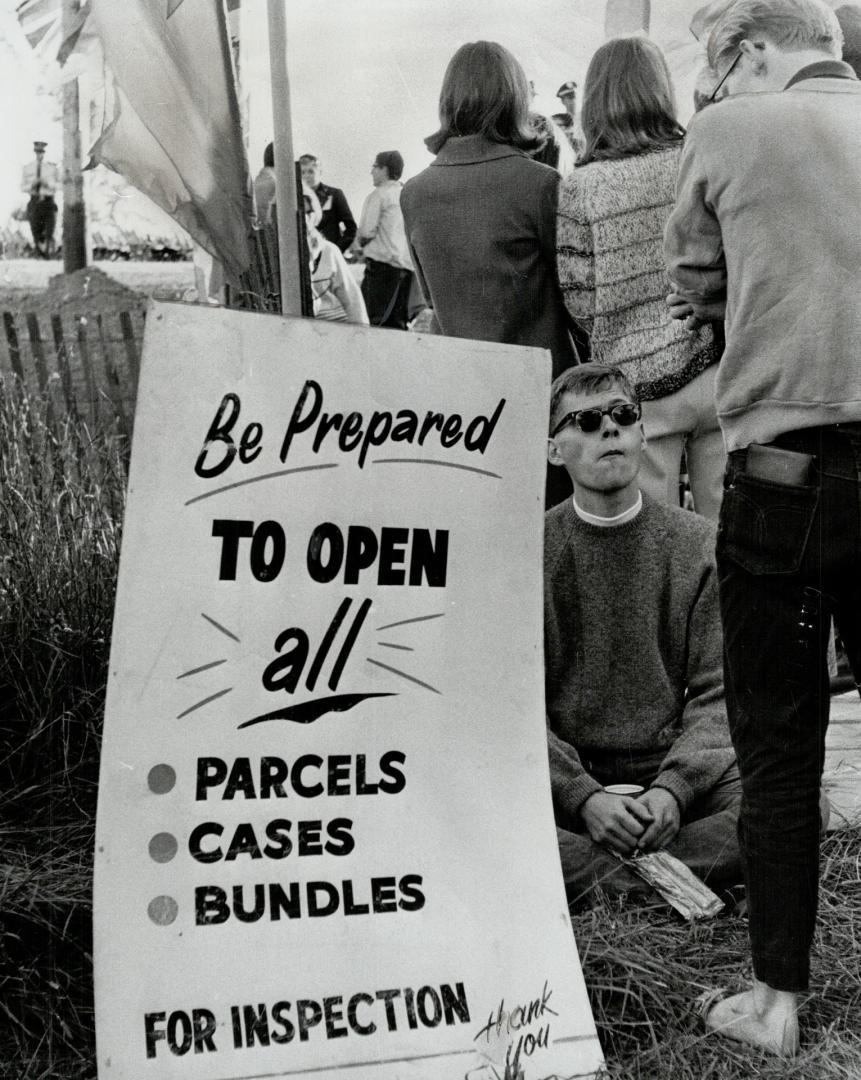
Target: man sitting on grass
{"x":633,"y":655}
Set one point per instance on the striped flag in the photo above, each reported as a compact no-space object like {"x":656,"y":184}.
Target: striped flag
{"x":175,"y":132}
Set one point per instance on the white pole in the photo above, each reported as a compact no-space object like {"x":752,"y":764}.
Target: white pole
{"x":285,"y":172}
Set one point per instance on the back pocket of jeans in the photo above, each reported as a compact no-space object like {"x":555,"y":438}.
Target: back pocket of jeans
{"x":764,"y":526}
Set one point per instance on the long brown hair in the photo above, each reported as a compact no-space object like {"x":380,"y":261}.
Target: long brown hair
{"x":628,"y":101}
{"x":485,"y":92}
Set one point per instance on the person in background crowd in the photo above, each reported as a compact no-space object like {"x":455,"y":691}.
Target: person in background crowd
{"x":632,"y":647}
{"x":767,"y":229}
{"x":337,"y":296}
{"x":567,"y":120}
{"x":612,"y":212}
{"x":264,"y":186}
{"x":849,"y":17}
{"x":554,"y":148}
{"x":480,"y":220}
{"x":39,"y":180}
{"x":338,"y":224}
{"x":382,"y":243}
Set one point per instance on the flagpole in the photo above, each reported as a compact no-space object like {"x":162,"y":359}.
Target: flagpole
{"x":285,"y":176}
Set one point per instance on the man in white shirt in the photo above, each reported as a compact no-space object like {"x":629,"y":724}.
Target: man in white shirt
{"x":383,"y":244}
{"x":40,"y":180}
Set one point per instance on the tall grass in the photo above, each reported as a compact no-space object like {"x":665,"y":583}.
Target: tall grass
{"x":61,"y":507}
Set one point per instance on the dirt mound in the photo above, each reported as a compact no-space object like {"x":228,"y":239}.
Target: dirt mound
{"x":89,"y":289}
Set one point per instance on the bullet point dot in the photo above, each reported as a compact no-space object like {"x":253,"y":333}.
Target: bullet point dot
{"x":162,"y":910}
{"x":161,"y":779}
{"x":162,"y":847}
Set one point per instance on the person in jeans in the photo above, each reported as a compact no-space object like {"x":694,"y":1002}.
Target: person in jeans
{"x":767,"y":227}
{"x":632,"y":649}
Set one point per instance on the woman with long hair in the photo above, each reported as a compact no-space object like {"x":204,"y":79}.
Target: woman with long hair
{"x":481,"y":219}
{"x":612,"y":212}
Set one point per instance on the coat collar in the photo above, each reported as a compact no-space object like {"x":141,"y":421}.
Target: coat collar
{"x":469,"y":149}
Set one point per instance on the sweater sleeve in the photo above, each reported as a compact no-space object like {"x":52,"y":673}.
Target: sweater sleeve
{"x":702,"y":752}
{"x":575,"y":256}
{"x":570,"y":784}
{"x":693,"y":244}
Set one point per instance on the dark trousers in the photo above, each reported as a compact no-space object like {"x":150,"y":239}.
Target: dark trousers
{"x":789,"y":559}
{"x":42,"y":216}
{"x":386,"y":290}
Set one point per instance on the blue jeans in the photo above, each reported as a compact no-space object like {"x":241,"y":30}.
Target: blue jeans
{"x":789,"y":559}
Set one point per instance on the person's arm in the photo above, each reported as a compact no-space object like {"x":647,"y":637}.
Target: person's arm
{"x":370,"y":220}
{"x":702,"y":752}
{"x":693,"y":244}
{"x":616,"y":821}
{"x":344,"y":216}
{"x":575,"y":257}
{"x":345,"y":287}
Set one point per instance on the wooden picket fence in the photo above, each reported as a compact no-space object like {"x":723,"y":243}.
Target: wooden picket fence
{"x":82,"y":367}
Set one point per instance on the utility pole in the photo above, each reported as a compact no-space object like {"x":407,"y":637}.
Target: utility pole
{"x":623,"y":17}
{"x":74,"y":207}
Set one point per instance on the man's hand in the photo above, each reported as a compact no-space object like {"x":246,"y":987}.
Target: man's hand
{"x":695,"y":315}
{"x":616,"y":821}
{"x":666,"y":819}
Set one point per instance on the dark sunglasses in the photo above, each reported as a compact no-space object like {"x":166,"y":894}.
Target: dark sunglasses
{"x":624,"y":413}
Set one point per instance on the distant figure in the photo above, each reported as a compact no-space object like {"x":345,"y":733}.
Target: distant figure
{"x":383,"y":244}
{"x":567,"y":120}
{"x":40,"y":180}
{"x":337,"y":296}
{"x":337,"y":225}
{"x":264,"y":186}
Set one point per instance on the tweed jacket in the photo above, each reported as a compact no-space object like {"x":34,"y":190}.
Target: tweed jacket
{"x":612,"y":272}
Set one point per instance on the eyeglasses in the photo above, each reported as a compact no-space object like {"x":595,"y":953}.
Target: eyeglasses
{"x":726,"y":75}
{"x":623,"y":413}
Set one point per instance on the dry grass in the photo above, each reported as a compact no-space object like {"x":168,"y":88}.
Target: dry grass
{"x":61,"y":504}
{"x":644,"y":966}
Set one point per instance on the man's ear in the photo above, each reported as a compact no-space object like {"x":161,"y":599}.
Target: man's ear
{"x":755,"y":53}
{"x":553,"y":455}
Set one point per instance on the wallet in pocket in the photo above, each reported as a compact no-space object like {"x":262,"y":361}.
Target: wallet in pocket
{"x":778,"y":465}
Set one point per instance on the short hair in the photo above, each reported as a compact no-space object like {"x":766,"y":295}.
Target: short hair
{"x":485,"y":92}
{"x":589,"y":378}
{"x":308,"y":159}
{"x":269,"y":156}
{"x":792,"y":25}
{"x":628,"y":101}
{"x":392,"y":162}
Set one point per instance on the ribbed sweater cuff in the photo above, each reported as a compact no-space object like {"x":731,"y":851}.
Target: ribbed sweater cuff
{"x":574,"y":792}
{"x":676,"y":784}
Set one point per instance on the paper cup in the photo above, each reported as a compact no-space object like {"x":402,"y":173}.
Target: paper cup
{"x":625,"y":789}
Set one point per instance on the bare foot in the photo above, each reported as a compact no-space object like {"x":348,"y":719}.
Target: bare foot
{"x":761,"y":1016}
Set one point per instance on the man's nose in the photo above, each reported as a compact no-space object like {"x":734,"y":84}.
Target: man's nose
{"x":609,"y":427}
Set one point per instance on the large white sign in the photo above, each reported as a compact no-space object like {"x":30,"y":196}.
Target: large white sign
{"x":325,"y":840}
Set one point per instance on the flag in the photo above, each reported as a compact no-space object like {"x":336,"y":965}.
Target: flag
{"x":174,"y":133}
{"x":705,"y":18}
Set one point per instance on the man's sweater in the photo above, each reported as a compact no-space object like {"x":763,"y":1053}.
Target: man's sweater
{"x":610,"y":232}
{"x":633,"y":650}
{"x":768,"y":215}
